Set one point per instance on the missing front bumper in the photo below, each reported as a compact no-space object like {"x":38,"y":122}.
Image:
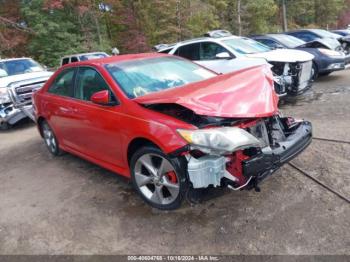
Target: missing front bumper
{"x":214,"y":169}
{"x":270,"y":159}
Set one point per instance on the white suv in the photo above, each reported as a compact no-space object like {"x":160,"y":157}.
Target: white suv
{"x":82,"y":57}
{"x":19,"y":79}
{"x":222,"y":52}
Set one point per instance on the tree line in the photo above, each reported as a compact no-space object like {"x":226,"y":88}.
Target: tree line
{"x":49,"y":29}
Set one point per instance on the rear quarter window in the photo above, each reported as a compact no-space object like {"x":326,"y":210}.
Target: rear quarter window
{"x":190,"y":51}
{"x":65,"y":61}
{"x":74,"y":59}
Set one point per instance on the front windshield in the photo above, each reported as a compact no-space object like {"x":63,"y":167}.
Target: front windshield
{"x":92,"y":56}
{"x":19,"y":66}
{"x":331,"y":42}
{"x":289,"y":41}
{"x":244,"y":45}
{"x":143,"y":76}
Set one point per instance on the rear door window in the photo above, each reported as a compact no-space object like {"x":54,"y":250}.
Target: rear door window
{"x":65,"y":61}
{"x":63,"y":85}
{"x":209,"y":50}
{"x":74,"y":59}
{"x":190,"y":51}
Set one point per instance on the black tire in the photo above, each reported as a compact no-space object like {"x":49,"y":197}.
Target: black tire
{"x":179,"y":168}
{"x":314,"y":71}
{"x":4,"y":126}
{"x":325,"y":74}
{"x":50,"y":139}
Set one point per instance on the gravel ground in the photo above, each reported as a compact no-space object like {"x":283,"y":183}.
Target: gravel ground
{"x":66,"y":205}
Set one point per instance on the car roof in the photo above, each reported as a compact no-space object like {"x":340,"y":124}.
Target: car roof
{"x":296,"y":30}
{"x":197,"y":40}
{"x":90,"y":53}
{"x":116,"y":59}
{"x":273,"y":35}
{"x":13,"y":59}
{"x":314,"y":30}
{"x":342,"y":30}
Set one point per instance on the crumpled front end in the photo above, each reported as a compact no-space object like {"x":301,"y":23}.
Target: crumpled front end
{"x":292,"y":78}
{"x":238,"y":136}
{"x":9,"y":115}
{"x":242,"y":155}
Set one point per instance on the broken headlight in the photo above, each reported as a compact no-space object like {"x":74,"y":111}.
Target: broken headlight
{"x":4,"y":96}
{"x":227,"y":139}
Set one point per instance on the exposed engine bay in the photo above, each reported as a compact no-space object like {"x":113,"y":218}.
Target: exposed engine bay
{"x":188,"y":116}
{"x":292,"y":78}
{"x":237,"y":152}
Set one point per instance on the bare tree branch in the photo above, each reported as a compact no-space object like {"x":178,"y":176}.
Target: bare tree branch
{"x":15,"y":25}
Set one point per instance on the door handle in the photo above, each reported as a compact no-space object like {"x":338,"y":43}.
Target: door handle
{"x":65,"y":109}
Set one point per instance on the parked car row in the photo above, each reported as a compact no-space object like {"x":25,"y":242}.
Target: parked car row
{"x":336,"y":41}
{"x":325,"y":60}
{"x":199,"y":113}
{"x":222,"y":52}
{"x":293,"y":71}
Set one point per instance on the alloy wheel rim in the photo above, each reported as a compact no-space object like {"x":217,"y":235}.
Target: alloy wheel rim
{"x":49,"y":138}
{"x":157,"y":179}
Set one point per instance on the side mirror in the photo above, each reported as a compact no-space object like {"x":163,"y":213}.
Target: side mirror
{"x":102,"y":98}
{"x":3,"y":73}
{"x":223,"y":55}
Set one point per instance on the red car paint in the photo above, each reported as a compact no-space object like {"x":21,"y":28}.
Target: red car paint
{"x":234,"y":166}
{"x":102,"y":134}
{"x":244,"y":93}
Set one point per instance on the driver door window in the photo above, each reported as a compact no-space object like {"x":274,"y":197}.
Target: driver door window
{"x":190,"y":51}
{"x":209,"y":50}
{"x":89,"y":81}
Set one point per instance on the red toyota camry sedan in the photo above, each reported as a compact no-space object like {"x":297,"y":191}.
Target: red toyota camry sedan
{"x":169,"y":124}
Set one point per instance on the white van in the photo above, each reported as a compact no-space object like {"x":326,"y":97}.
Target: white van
{"x":82,"y":57}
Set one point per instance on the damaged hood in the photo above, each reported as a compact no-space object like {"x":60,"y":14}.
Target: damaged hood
{"x":284,"y":55}
{"x":318,"y":43}
{"x":241,"y":94}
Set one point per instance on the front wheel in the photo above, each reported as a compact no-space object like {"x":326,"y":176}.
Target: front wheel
{"x":314,"y":71}
{"x":160,"y":180}
{"x":50,"y":139}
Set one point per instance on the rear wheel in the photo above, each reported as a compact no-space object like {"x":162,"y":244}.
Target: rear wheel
{"x":159,"y":179}
{"x":50,"y":139}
